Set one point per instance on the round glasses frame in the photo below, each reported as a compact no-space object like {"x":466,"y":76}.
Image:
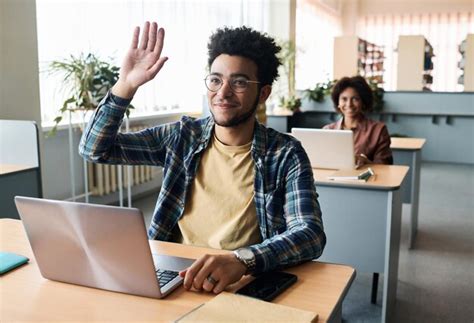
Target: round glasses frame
{"x":232,"y":86}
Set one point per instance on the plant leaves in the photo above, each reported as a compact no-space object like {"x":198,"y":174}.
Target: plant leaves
{"x":86,"y":78}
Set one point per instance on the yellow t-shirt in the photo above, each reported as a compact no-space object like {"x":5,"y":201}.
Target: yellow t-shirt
{"x":220,"y":211}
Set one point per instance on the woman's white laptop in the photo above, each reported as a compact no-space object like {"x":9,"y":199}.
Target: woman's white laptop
{"x":331,"y":149}
{"x":97,"y":246}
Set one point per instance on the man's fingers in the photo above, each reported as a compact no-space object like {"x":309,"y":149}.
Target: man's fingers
{"x":145,"y":31}
{"x":159,"y":41}
{"x":152,"y":36}
{"x":191,"y":272}
{"x":220,"y":286}
{"x":208,"y":285}
{"x":213,"y":273}
{"x":201,"y":278}
{"x":134,"y":43}
{"x":157,"y":67}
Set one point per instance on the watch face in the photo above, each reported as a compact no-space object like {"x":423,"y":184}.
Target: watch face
{"x":246,"y":254}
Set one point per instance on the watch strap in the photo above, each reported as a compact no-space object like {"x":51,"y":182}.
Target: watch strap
{"x":249,"y":263}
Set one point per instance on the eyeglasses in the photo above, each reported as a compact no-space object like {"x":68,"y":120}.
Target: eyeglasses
{"x":238,"y":84}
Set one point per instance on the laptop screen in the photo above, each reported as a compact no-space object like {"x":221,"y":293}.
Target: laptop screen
{"x":330,"y":149}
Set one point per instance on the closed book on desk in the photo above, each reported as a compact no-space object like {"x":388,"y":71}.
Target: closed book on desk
{"x":227,"y":307}
{"x":352,"y":175}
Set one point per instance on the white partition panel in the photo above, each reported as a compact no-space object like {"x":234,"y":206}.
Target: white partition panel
{"x":19,"y":143}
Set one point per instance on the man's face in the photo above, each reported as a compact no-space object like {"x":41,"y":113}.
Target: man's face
{"x":229,"y":108}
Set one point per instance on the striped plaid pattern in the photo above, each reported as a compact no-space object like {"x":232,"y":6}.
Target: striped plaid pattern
{"x":288,"y":211}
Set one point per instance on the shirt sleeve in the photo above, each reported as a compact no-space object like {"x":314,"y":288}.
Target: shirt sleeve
{"x":102,"y":142}
{"x":331,"y":126}
{"x":383,"y":153}
{"x":304,"y":238}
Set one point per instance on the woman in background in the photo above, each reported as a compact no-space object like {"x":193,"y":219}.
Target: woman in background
{"x":353,"y":98}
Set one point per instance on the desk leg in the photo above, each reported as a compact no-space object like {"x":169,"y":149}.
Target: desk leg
{"x":408,"y":189}
{"x":336,"y":316}
{"x":414,"y":196}
{"x":392,"y":249}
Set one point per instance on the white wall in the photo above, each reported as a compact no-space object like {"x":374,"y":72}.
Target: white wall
{"x":19,"y":84}
{"x":19,"y":80}
{"x":351,"y":10}
{"x":371,"y":7}
{"x":349,"y":17}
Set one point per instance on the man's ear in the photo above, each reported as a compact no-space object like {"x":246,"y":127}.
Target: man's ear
{"x":265,"y":92}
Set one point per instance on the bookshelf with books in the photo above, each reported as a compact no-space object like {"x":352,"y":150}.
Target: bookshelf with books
{"x":466,"y":63}
{"x":415,"y":64}
{"x":356,"y":56}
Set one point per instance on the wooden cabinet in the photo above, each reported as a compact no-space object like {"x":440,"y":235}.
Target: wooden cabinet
{"x":355,"y":56}
{"x":466,"y":63}
{"x":415,"y":64}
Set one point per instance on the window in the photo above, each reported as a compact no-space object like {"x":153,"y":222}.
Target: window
{"x":444,"y":31}
{"x":316,"y":27}
{"x":104,"y":27}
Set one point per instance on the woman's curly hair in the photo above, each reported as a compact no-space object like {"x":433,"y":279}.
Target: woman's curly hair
{"x":251,"y":44}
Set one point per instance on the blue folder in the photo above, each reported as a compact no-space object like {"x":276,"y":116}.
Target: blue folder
{"x":9,"y":261}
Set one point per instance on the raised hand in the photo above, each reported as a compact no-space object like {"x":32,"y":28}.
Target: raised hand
{"x":142,"y":61}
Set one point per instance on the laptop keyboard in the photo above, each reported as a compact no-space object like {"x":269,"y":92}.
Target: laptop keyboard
{"x":165,"y":276}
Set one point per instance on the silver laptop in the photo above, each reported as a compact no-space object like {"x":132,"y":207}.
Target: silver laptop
{"x":97,"y":246}
{"x":330,"y":149}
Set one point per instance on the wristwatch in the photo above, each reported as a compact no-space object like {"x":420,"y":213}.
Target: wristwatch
{"x":246,"y":256}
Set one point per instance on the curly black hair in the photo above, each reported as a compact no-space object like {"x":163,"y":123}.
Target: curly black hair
{"x":360,"y":85}
{"x":246,"y":42}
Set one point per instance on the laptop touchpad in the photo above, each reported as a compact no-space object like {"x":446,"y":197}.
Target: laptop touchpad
{"x":171,"y":262}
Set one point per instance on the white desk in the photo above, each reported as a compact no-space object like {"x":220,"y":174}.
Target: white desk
{"x":407,"y":151}
{"x":362,"y":224}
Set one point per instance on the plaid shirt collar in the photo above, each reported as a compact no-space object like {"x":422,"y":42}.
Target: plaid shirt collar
{"x":259,"y":142}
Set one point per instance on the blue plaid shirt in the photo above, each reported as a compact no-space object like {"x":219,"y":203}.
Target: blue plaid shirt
{"x":288,"y":211}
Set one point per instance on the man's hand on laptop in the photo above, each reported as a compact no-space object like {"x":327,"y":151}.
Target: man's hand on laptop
{"x":213,"y":273}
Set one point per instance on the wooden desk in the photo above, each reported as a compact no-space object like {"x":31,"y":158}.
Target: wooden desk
{"x":17,"y":180}
{"x":407,"y":151}
{"x":362,"y":223}
{"x":27,"y":296}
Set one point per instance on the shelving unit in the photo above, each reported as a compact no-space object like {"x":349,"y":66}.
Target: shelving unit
{"x":428,"y":66}
{"x":466,"y":64}
{"x":356,"y":56}
{"x":415,"y":64}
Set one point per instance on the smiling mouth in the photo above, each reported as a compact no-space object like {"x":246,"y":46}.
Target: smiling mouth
{"x":225,"y":105}
{"x":349,"y":110}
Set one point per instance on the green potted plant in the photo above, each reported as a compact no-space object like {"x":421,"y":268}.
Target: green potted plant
{"x":320,"y":91}
{"x":87,"y":79}
{"x":378,"y":93}
{"x":287,"y":55}
{"x":291,"y":103}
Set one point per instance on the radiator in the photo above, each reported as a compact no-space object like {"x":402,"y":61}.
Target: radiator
{"x":103,"y":179}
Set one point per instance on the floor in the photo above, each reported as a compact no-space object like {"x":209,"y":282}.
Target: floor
{"x":436,"y":278}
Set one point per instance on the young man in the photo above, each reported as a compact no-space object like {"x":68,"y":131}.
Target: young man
{"x":228,"y":182}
